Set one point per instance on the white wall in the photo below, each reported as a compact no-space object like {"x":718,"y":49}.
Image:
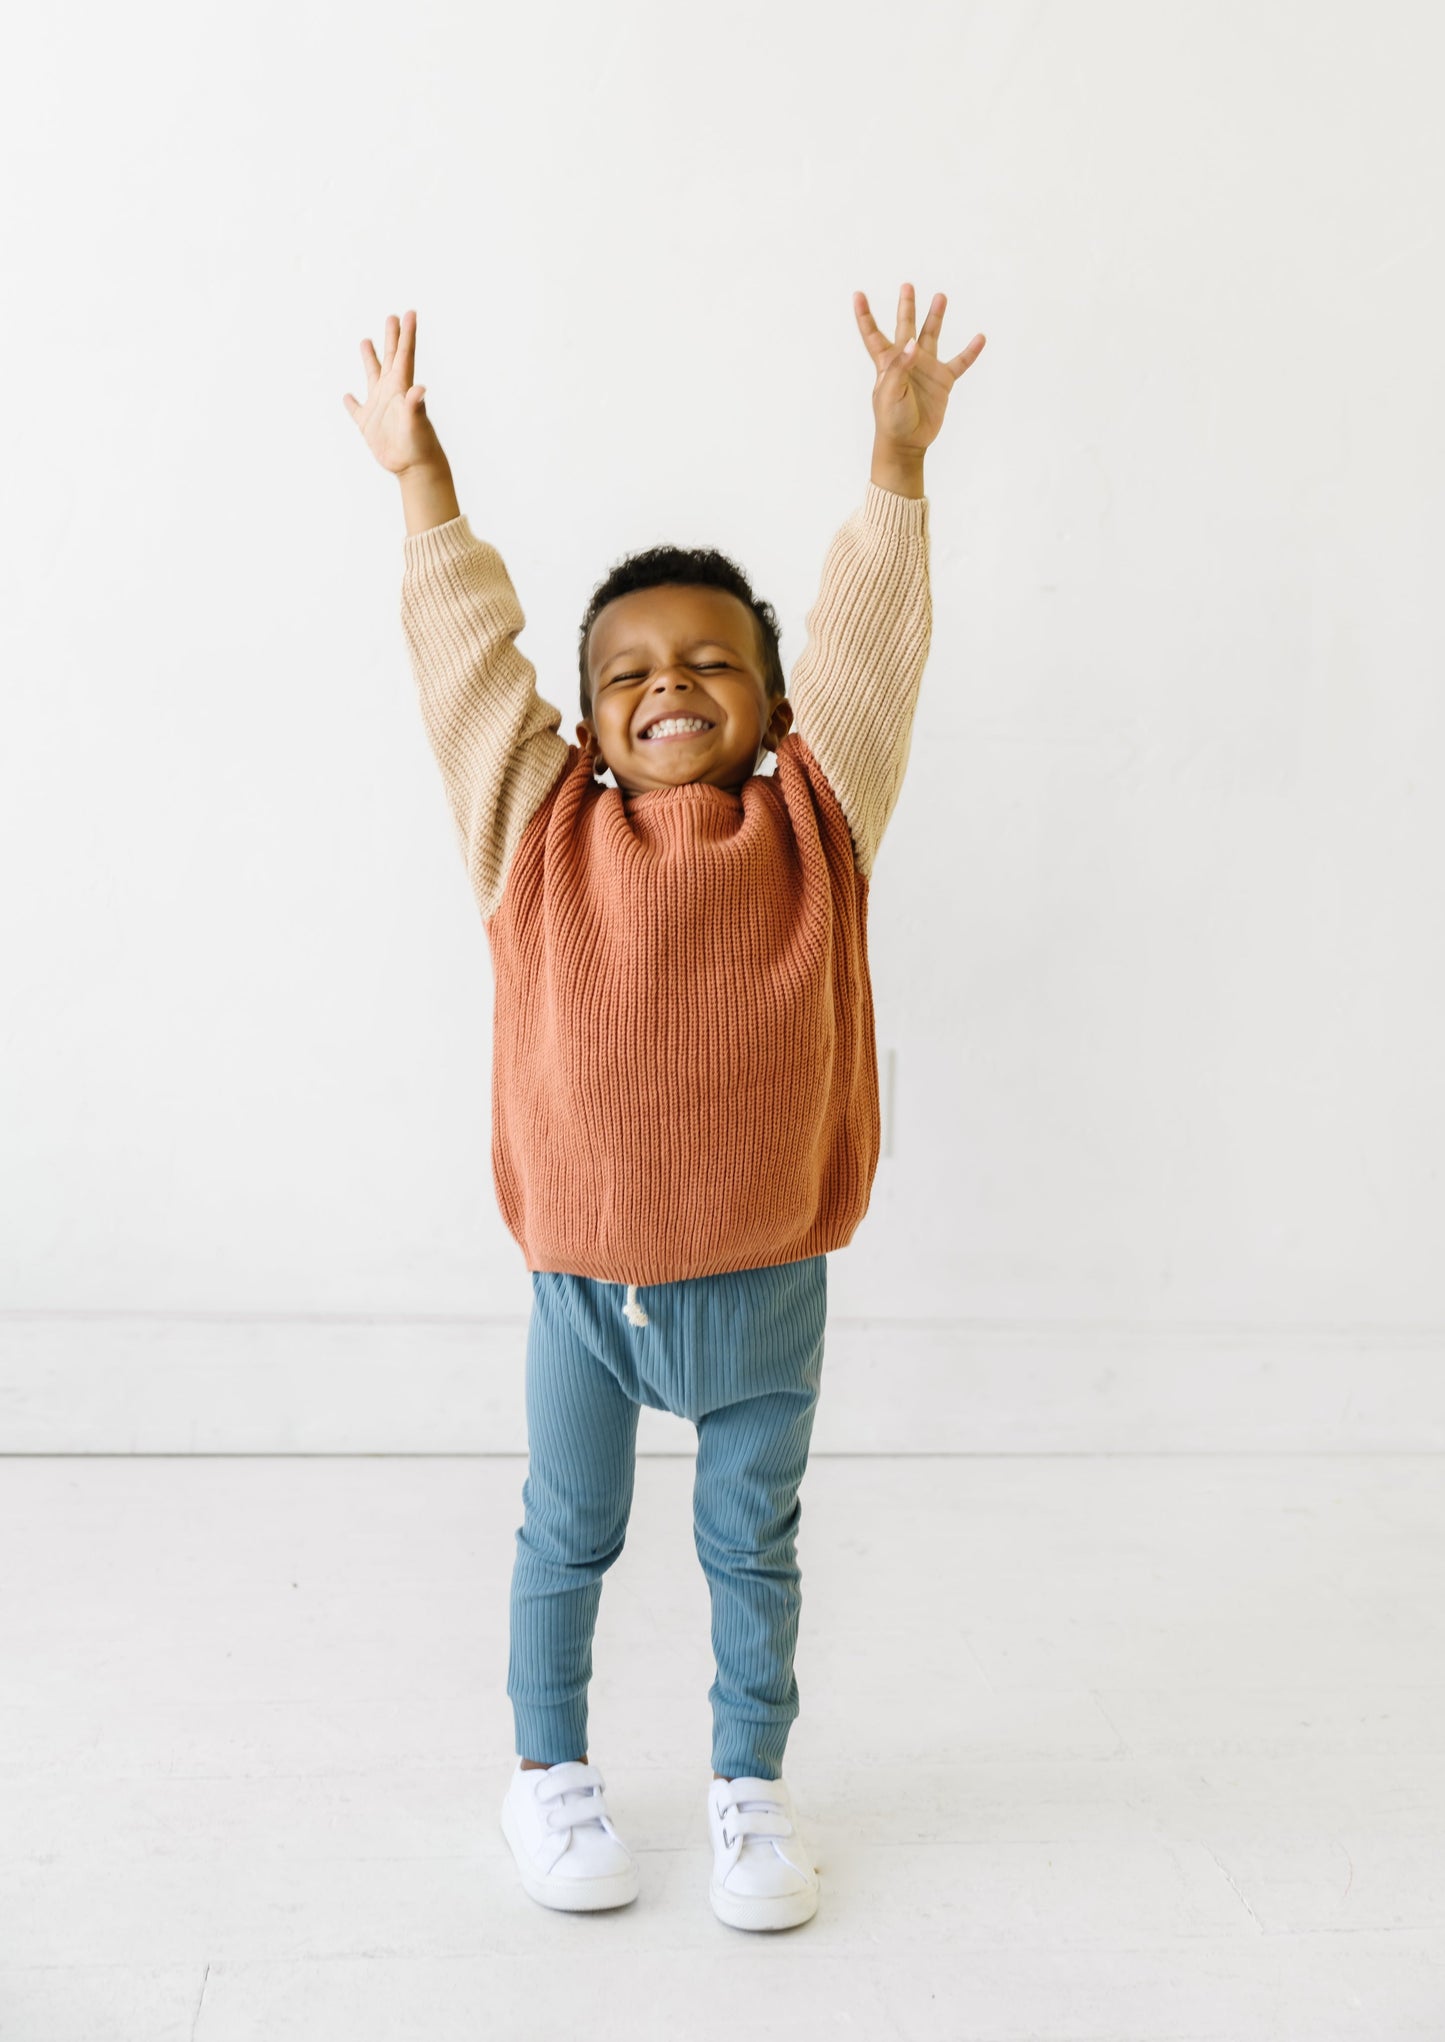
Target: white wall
{"x":1157,"y":933}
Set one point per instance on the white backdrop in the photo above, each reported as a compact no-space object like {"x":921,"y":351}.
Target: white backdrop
{"x":1157,"y":933}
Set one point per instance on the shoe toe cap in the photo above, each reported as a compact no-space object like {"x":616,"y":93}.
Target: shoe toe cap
{"x":601,"y":1857}
{"x":766,"y":1876}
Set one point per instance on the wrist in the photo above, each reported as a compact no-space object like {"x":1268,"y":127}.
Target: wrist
{"x":427,"y":494}
{"x":431,"y":466}
{"x":899,"y":469}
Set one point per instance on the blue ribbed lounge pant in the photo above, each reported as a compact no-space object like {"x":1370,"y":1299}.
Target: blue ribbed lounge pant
{"x":740,"y":1356}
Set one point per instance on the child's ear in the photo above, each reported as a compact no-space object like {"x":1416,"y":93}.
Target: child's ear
{"x":588,"y":745}
{"x":779,"y":724}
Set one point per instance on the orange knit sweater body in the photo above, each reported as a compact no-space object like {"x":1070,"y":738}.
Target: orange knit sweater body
{"x":684,"y":1076}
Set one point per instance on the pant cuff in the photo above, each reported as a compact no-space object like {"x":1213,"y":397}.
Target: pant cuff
{"x":752,"y":1751}
{"x":550,"y":1735}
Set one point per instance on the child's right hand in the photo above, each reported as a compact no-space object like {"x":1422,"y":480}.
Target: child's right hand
{"x":393,"y":419}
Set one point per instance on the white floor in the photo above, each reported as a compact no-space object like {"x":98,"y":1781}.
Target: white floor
{"x":1110,"y":1747}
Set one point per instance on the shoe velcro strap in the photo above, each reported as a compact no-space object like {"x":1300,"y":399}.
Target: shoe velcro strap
{"x":757,"y":1822}
{"x":572,"y":1779}
{"x":590,"y":1810}
{"x":733,"y":1793}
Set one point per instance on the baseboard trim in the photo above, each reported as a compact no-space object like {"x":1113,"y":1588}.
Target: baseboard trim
{"x":169,"y":1382}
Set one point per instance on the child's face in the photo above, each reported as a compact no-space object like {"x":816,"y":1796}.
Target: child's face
{"x":675,"y":651}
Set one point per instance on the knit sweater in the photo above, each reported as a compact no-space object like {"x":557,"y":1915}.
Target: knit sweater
{"x":684,"y":1074}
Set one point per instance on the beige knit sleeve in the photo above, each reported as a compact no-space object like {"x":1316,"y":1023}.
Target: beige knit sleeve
{"x":494,"y":736}
{"x":855,"y":684}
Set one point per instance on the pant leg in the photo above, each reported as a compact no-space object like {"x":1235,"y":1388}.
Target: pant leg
{"x":577,"y":1496}
{"x":746,"y":1510}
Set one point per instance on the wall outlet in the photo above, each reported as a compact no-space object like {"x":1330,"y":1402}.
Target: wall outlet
{"x":887,"y":1063}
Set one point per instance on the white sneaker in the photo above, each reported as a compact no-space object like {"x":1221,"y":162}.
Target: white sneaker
{"x":763,"y":1875}
{"x":567,"y":1851}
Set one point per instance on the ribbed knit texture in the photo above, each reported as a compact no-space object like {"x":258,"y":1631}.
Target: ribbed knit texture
{"x":684,"y":1073}
{"x":739,"y":1355}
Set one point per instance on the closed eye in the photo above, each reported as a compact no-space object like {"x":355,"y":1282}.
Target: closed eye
{"x":713,"y":667}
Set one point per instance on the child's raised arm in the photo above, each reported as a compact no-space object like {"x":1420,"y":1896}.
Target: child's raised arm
{"x":854,"y":687}
{"x":494,"y":736}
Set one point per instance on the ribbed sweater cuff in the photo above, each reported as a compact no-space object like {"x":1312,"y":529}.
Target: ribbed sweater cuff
{"x":892,"y":512}
{"x":439,"y":543}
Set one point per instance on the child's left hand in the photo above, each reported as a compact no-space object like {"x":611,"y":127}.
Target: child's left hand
{"x":912,"y":390}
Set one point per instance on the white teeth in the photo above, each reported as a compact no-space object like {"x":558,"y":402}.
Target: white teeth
{"x":669,"y":725}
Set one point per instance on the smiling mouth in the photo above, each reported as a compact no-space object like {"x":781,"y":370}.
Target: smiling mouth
{"x":670,"y":729}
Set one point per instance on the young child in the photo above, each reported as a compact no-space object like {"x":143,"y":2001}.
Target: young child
{"x":685,"y":1112}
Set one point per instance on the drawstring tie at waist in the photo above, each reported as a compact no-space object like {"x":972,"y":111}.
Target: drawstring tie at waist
{"x":632,"y":1310}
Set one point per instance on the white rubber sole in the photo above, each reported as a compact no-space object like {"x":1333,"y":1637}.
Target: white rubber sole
{"x":763,"y":1910}
{"x":576,"y":1896}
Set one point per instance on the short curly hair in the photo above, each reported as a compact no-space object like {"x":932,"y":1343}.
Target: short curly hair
{"x":687,"y":567}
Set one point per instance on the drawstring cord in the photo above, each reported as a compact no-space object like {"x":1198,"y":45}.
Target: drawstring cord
{"x":632,"y":1310}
